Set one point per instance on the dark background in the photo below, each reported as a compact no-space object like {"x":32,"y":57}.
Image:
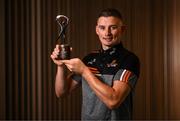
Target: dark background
{"x":28,"y":31}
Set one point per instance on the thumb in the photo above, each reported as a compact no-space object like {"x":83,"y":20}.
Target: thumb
{"x":65,"y":61}
{"x":57,"y":62}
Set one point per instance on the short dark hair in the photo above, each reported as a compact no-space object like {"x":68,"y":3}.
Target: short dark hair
{"x":110,"y":12}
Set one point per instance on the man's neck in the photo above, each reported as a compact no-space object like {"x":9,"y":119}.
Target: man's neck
{"x":105,"y":47}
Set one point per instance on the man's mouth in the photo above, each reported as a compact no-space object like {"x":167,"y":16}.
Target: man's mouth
{"x":108,"y":39}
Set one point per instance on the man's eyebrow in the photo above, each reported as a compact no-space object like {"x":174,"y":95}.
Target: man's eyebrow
{"x":115,"y":25}
{"x":100,"y":25}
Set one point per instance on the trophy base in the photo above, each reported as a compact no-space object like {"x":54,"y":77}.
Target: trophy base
{"x":64,"y":52}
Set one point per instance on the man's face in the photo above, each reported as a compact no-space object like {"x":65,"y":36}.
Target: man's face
{"x":109,"y":29}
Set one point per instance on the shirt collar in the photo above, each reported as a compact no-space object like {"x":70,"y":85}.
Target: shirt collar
{"x":112,"y":49}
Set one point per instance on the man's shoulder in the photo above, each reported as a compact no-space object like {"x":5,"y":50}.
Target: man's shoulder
{"x":129,"y":54}
{"x":132,"y":63}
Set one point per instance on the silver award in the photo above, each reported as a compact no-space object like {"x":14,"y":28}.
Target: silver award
{"x":64,"y":47}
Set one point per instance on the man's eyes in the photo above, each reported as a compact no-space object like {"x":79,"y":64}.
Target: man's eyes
{"x":111,"y":27}
{"x":101,"y":27}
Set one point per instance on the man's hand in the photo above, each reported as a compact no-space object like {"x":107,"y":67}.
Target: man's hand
{"x":54,"y":56}
{"x":75,"y":65}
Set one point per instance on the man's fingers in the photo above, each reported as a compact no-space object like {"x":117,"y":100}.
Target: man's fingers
{"x":69,"y":67}
{"x":65,"y":61}
{"x":57,"y":46}
{"x":58,"y":62}
{"x":53,"y":56}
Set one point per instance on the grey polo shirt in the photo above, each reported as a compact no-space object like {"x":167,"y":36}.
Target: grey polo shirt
{"x":114,"y":64}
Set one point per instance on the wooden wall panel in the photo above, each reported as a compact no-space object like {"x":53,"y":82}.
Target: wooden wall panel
{"x":139,"y":41}
{"x":173,"y":37}
{"x":2,"y":62}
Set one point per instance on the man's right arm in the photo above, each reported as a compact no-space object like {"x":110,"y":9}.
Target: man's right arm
{"x":63,"y":83}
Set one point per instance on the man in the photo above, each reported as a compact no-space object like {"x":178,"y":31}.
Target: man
{"x":108,"y":76}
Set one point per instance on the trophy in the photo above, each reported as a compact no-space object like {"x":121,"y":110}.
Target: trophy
{"x":64,"y":46}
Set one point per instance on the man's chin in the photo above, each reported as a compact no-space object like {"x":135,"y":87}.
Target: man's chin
{"x":110,"y":44}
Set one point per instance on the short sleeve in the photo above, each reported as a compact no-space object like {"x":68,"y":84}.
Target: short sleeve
{"x":132,"y":64}
{"x":126,"y":76}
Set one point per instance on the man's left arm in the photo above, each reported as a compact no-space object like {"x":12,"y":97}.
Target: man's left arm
{"x":111,"y":96}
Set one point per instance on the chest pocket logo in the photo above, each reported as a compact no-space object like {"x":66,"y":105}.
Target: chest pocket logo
{"x":112,"y":64}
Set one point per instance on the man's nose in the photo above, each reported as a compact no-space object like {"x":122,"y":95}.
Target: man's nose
{"x":108,"y":32}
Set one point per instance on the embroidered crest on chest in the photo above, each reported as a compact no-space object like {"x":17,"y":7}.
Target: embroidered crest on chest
{"x":112,"y":64}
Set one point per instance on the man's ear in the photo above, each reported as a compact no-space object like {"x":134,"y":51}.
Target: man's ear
{"x":97,"y":30}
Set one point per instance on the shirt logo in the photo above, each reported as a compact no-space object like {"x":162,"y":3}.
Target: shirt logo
{"x":92,"y":61}
{"x":113,"y":51}
{"x":112,"y":64}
